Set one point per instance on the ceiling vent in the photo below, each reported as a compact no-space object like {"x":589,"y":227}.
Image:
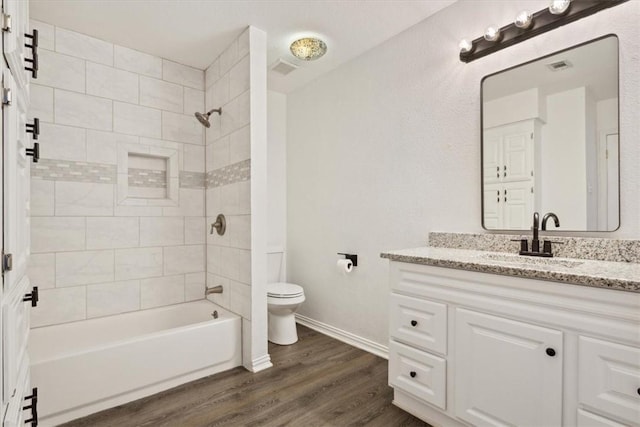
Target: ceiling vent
{"x":559,"y":65}
{"x":283,"y":67}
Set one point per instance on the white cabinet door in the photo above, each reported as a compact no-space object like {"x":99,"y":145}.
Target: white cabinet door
{"x":517,"y":155}
{"x":517,"y":205}
{"x":609,"y":378}
{"x":491,"y":157}
{"x":492,"y":206}
{"x":507,"y":373}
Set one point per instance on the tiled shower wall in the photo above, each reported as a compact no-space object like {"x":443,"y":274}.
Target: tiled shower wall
{"x":228,"y":175}
{"x":95,"y":252}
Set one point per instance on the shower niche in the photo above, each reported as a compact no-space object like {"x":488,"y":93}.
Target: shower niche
{"x":148,"y":176}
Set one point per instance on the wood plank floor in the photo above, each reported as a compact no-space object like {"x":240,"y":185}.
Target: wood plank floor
{"x":318,"y":381}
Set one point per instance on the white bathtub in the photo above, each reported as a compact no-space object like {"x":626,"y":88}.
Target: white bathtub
{"x":84,"y":367}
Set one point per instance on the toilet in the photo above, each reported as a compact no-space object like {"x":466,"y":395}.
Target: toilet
{"x":283,"y":299}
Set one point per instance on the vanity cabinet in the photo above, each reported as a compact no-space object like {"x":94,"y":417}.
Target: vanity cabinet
{"x":506,"y":371}
{"x":469,"y":348}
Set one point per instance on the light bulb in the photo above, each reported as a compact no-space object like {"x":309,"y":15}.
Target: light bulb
{"x":465,"y":46}
{"x":558,"y":7}
{"x":492,"y":33}
{"x":524,"y":19}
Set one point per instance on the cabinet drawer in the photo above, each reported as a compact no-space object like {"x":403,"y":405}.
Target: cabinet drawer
{"x":609,"y":378}
{"x":419,"y":323}
{"x":418,"y":373}
{"x":587,"y":419}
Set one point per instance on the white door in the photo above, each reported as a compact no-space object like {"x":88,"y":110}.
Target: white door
{"x":507,"y":373}
{"x":15,"y":217}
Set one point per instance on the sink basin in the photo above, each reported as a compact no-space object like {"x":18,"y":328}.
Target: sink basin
{"x":531,"y":261}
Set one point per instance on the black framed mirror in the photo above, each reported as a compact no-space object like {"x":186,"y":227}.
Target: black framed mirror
{"x":550,"y":140}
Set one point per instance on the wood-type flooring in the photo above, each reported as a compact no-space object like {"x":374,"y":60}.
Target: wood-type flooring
{"x":318,"y":381}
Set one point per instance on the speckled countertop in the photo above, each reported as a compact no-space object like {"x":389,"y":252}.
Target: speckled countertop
{"x":624,"y":276}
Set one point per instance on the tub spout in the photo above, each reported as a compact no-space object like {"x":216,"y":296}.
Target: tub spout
{"x":214,"y":290}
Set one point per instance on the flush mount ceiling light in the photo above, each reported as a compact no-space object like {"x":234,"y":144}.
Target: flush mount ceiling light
{"x":527,"y":25}
{"x":308,"y":48}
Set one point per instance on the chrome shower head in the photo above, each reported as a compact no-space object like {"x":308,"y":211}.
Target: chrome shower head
{"x":204,"y":118}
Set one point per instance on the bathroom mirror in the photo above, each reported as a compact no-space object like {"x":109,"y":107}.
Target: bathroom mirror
{"x":550,"y":140}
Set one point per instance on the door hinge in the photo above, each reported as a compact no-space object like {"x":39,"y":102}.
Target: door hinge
{"x":531,"y":135}
{"x":531,"y":190}
{"x":7,"y":262}
{"x":7,"y":96}
{"x":6,"y":22}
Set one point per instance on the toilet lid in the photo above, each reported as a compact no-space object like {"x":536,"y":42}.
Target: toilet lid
{"x":284,"y":290}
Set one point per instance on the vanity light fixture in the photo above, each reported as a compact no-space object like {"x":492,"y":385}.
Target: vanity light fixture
{"x":527,"y":25}
{"x":524,"y":20}
{"x":465,"y":46}
{"x":492,"y":33}
{"x":559,"y":7}
{"x":308,"y":48}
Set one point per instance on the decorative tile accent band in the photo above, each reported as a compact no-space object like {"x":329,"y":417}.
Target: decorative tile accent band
{"x":192,"y":179}
{"x":617,"y":250}
{"x":231,"y":174}
{"x":147,"y":178}
{"x":66,"y":170}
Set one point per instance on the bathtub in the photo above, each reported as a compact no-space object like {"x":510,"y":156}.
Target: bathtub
{"x":84,"y":367}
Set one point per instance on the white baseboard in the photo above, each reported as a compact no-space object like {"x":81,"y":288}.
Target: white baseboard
{"x":344,"y":336}
{"x":260,"y":364}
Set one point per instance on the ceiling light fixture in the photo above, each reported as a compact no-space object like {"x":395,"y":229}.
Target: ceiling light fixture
{"x":308,"y":48}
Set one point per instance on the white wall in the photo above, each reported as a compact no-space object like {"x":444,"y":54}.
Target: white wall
{"x":276,"y":169}
{"x":387,"y":148}
{"x":564,"y":158}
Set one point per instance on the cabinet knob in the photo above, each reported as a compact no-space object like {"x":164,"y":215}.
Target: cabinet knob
{"x":638,"y":390}
{"x":414,"y":323}
{"x":550,"y":352}
{"x":412,"y":374}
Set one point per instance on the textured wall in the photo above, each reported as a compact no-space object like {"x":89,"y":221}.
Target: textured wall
{"x":387,"y":148}
{"x":95,"y":251}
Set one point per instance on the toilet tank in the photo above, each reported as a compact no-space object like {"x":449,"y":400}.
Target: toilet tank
{"x":275,"y":265}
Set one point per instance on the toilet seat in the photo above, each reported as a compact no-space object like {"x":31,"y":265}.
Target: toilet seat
{"x":284,"y":290}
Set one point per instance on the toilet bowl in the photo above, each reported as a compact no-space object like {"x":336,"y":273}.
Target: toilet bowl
{"x":283,"y":299}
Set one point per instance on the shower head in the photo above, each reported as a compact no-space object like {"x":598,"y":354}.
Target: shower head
{"x":204,"y":118}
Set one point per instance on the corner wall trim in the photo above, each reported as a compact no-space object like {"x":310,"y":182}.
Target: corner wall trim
{"x":344,"y":336}
{"x":260,"y":364}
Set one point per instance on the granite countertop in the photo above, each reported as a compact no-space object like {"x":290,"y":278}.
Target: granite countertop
{"x":623,"y":276}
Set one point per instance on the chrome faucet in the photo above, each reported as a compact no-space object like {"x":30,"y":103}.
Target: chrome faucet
{"x":213,"y":290}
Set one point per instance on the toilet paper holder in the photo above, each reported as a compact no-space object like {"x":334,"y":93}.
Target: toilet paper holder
{"x":352,"y":257}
